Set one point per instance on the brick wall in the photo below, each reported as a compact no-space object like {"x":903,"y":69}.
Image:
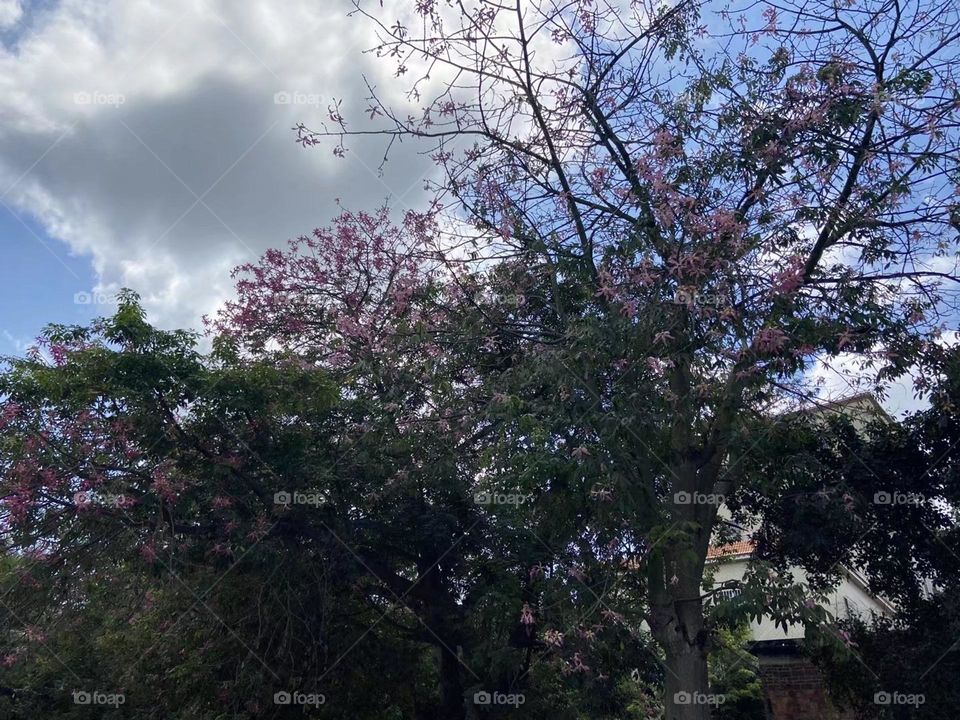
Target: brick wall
{"x":794,"y":690}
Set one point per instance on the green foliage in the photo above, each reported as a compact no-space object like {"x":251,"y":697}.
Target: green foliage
{"x":734,"y":673}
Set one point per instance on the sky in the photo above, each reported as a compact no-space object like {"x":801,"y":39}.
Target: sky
{"x":150,"y":145}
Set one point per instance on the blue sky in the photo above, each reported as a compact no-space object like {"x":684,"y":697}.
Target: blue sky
{"x":143,"y":145}
{"x":38,"y":277}
{"x":38,"y":281}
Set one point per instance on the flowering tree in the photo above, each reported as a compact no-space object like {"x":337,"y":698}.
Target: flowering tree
{"x":366,"y":303}
{"x":690,"y":207}
{"x":137,"y":478}
{"x":324,"y":485}
{"x":259,"y":521}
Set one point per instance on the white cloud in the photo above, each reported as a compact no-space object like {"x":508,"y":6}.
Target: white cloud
{"x":845,"y":375}
{"x":20,"y":344}
{"x":10,"y":13}
{"x":146,"y":136}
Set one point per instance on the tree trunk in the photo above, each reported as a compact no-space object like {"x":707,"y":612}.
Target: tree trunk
{"x":444,"y":619}
{"x":675,"y":576}
{"x":451,"y":689}
{"x":678,"y":628}
{"x":675,"y":579}
{"x":686,"y":688}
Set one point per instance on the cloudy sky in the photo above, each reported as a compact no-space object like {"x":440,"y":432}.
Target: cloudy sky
{"x":149,"y":145}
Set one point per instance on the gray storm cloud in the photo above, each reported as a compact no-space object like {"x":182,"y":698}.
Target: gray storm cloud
{"x":156,"y":138}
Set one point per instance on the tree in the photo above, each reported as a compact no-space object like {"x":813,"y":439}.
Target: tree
{"x":287,"y":509}
{"x":689,"y":209}
{"x":361,"y":302}
{"x":230,"y":503}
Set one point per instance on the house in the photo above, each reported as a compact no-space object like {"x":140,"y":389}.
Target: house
{"x":793,"y":687}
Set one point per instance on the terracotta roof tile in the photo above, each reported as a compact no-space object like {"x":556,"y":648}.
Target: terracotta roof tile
{"x":741,"y":547}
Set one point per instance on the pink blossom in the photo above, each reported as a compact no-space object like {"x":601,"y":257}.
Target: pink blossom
{"x":607,"y":293}
{"x":222,"y":549}
{"x":770,"y":15}
{"x":790,"y":279}
{"x":526,"y":616}
{"x":666,"y":144}
{"x":10,"y":412}
{"x":770,"y":340}
{"x":658,"y":365}
{"x":845,"y":338}
{"x":602,"y":494}
{"x":642,"y":275}
{"x":611,"y":616}
{"x":580,"y":453}
{"x":578,"y":665}
{"x":553,"y":638}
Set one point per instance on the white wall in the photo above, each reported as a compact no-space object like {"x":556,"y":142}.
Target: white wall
{"x":849,"y":597}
